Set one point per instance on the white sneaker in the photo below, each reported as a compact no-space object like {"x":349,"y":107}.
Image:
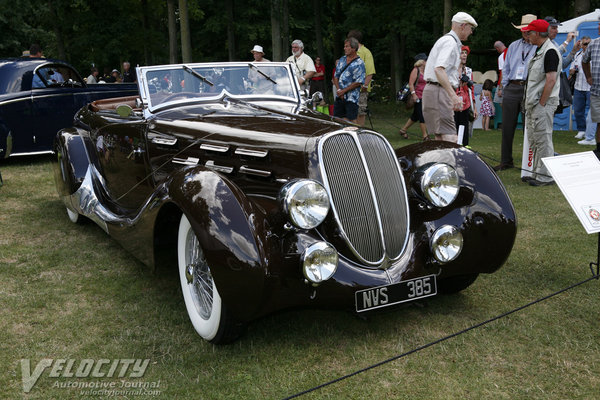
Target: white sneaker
{"x":588,"y":142}
{"x":580,"y":135}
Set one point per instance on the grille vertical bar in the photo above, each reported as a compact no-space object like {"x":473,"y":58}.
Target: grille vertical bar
{"x":373,"y":218}
{"x":352,"y":197}
{"x":389,"y":191}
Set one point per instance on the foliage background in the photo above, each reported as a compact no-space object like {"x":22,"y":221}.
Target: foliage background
{"x":108,"y":32}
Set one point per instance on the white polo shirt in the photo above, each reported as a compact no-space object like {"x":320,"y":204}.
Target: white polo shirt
{"x":445,"y":53}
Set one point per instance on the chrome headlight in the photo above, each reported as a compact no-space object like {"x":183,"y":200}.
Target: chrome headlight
{"x":319,"y":262}
{"x":306,"y":202}
{"x":439,"y":184}
{"x":446,"y":243}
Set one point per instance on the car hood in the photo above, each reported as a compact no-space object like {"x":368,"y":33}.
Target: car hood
{"x":277,"y":141}
{"x":247,"y":119}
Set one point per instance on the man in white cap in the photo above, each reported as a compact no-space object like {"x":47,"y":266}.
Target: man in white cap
{"x":258,"y":53}
{"x":514,"y":78}
{"x":441,"y":73}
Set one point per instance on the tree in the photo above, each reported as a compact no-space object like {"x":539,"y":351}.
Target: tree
{"x":581,"y":7}
{"x":230,"y":30}
{"x":172,"y":31}
{"x":318,"y":28}
{"x":186,"y":42}
{"x":276,"y":30}
{"x":447,"y":15}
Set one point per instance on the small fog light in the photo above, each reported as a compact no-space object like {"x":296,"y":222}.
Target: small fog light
{"x":319,"y":262}
{"x":446,"y":243}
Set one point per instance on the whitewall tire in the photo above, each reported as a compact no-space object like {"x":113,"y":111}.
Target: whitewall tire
{"x":200,"y":293}
{"x":73,"y":216}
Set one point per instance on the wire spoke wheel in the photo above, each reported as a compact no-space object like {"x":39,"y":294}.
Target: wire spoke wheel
{"x":200,"y":294}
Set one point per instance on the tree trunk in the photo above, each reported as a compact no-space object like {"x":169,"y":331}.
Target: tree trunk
{"x":447,"y":16}
{"x":230,"y":30}
{"x":398,"y":47}
{"x":581,"y":7}
{"x":318,"y":31}
{"x":276,"y":30}
{"x":145,"y":27}
{"x":339,"y":35}
{"x":285,"y":28}
{"x":172,"y":32}
{"x":60,"y":42}
{"x":186,"y":42}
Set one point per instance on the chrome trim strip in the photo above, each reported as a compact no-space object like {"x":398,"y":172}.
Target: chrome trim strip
{"x":186,"y":161}
{"x":28,"y":98}
{"x":214,"y":147}
{"x":164,"y":141}
{"x":32,"y":153}
{"x":258,"y":172}
{"x":221,"y":168}
{"x":251,"y":152}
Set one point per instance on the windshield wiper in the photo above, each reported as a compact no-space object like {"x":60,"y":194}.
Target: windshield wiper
{"x":262,"y":73}
{"x":197,"y":75}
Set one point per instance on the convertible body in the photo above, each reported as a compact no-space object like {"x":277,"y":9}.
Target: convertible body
{"x":39,"y":96}
{"x":265,"y":204}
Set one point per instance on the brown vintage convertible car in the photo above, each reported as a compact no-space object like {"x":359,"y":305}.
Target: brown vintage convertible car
{"x":264,"y":204}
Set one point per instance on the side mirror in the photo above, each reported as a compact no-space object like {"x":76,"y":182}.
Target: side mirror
{"x":316,"y":98}
{"x":124,"y":110}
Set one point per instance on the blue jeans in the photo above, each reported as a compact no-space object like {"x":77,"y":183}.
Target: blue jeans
{"x":581,"y":102}
{"x":590,"y":130}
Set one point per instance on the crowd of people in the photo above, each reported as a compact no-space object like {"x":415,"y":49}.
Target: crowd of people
{"x":528,"y":82}
{"x":441,"y":86}
{"x":351,"y":80}
{"x":114,"y":76}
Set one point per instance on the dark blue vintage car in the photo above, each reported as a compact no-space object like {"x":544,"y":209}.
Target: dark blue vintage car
{"x":40,"y":96}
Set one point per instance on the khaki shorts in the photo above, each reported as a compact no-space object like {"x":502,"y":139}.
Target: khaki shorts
{"x":362,"y":103}
{"x":437,"y":111}
{"x":595,"y":108}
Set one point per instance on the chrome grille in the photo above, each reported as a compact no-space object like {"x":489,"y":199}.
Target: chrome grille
{"x":367,"y":194}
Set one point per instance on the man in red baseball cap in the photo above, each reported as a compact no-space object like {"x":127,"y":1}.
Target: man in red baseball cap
{"x":541,"y":98}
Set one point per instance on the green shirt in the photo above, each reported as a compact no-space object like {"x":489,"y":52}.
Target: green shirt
{"x":367,"y":57}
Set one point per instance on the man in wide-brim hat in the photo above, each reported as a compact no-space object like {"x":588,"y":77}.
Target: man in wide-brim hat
{"x":258,"y":53}
{"x":512,"y":88}
{"x":525,"y":20}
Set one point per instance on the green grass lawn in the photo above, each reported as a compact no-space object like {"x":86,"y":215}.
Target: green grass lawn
{"x":70,"y":292}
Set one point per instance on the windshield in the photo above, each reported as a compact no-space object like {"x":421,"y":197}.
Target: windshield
{"x":180,"y":83}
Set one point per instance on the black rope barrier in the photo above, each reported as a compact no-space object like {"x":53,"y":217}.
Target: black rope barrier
{"x":595,"y":275}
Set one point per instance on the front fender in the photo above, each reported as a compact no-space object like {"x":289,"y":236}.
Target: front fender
{"x":483,"y":211}
{"x":231,"y":231}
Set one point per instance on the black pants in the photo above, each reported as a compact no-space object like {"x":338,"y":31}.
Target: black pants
{"x":462,"y":118}
{"x":512,"y":97}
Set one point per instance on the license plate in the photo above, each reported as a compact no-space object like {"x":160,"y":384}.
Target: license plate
{"x":401,"y":292}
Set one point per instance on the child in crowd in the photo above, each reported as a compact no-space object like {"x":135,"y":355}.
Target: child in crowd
{"x":487,"y":106}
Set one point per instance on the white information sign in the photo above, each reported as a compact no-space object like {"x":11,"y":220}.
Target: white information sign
{"x":578,"y":177}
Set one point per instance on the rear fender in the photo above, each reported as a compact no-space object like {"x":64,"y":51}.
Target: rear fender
{"x":72,"y":161}
{"x":231,"y":231}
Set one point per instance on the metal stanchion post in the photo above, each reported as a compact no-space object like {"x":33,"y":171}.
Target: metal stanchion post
{"x":597,"y":263}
